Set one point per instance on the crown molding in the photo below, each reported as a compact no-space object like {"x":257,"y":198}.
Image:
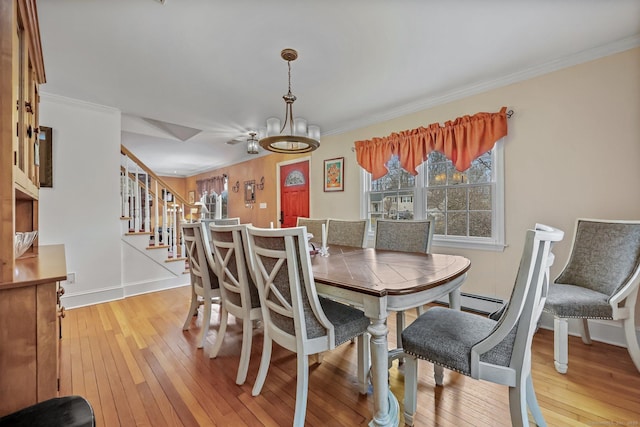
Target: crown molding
{"x":477,"y":88}
{"x":77,"y":103}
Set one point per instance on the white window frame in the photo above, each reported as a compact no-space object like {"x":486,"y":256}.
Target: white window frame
{"x":494,"y":243}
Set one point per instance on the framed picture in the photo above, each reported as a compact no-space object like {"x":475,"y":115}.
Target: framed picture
{"x":44,"y":156}
{"x":192,"y":197}
{"x":334,"y":174}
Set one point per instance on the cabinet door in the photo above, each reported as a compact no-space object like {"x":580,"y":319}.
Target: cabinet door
{"x":48,"y":341}
{"x":18,"y":344}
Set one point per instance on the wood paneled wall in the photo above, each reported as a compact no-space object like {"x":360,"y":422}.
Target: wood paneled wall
{"x":253,"y":169}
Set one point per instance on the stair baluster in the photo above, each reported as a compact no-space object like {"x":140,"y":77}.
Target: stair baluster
{"x":157,"y":219}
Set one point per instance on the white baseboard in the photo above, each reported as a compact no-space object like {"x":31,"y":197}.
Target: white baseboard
{"x":606,"y":331}
{"x":132,"y":289}
{"x":97,"y":296}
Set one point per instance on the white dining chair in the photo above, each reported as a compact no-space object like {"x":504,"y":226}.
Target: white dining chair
{"x":294,"y":316}
{"x":239,"y":294}
{"x":498,"y":351}
{"x":205,"y":289}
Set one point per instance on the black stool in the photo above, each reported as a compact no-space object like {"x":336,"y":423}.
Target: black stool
{"x":68,"y":411}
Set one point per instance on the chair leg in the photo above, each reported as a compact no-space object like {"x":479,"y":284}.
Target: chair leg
{"x":532,"y":403}
{"x":206,"y":320}
{"x":222,"y":330}
{"x":245,"y":353}
{"x":586,"y":336}
{"x":193,"y":308}
{"x":364,"y":362}
{"x":438,"y":374}
{"x":561,"y":344}
{"x":410,"y":389}
{"x":302,"y":386}
{"x":632,"y":340}
{"x":264,"y":364}
{"x":518,"y":404}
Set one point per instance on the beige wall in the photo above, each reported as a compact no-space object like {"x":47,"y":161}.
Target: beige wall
{"x":177,"y":184}
{"x":572,"y":151}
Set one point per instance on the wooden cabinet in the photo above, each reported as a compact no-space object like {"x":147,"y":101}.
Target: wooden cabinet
{"x":21,"y":73}
{"x":29,"y":303}
{"x":30,"y":315}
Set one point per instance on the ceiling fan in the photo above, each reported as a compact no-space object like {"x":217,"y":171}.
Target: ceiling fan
{"x":236,"y":140}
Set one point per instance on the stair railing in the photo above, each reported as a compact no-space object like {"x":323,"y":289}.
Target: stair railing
{"x":141,"y":189}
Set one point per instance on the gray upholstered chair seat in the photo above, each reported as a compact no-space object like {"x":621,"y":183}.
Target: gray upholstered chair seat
{"x":445,"y":337}
{"x":577,"y":302}
{"x":348,"y":322}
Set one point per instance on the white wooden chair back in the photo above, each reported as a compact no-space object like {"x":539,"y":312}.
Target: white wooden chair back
{"x":291,"y":309}
{"x":229,"y":245}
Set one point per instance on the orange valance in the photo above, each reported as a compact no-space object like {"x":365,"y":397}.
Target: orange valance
{"x":462,"y":141}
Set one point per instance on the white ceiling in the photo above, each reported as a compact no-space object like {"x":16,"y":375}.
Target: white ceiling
{"x":215,"y":65}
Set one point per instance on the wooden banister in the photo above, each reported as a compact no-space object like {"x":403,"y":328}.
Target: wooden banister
{"x":163,"y":184}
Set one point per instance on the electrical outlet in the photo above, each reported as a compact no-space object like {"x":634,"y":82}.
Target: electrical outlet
{"x":71,"y":278}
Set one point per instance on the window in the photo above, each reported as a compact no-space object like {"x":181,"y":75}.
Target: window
{"x":466,"y":207}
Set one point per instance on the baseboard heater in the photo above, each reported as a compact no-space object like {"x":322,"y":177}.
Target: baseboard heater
{"x":480,"y":304}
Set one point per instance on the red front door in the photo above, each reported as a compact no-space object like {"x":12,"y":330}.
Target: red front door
{"x":294,"y":193}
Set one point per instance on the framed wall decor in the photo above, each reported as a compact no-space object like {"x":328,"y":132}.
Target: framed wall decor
{"x":334,"y":174}
{"x":192,"y":197}
{"x":44,"y":156}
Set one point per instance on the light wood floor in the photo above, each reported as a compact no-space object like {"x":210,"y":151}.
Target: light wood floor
{"x":136,"y":366}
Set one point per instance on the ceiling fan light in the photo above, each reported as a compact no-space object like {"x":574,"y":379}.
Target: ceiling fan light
{"x":252,"y":144}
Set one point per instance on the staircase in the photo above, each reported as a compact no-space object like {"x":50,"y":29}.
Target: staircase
{"x":153,"y":254}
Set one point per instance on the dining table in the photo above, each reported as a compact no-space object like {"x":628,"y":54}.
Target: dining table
{"x":381,"y":282}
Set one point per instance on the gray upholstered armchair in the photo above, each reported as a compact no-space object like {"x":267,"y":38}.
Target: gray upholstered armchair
{"x":600,"y":281}
{"x":492,"y":350}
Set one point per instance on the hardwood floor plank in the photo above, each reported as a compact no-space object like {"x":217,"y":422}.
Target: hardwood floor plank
{"x":89,"y":376}
{"x":183,"y":411}
{"x":115,"y":411}
{"x":160,"y":399}
{"x":132,"y":361}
